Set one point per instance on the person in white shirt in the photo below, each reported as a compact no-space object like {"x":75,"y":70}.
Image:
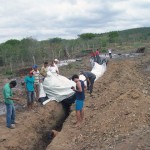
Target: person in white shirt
{"x":52,"y":68}
{"x":36,"y":74}
{"x":55,"y":64}
{"x":110,"y":53}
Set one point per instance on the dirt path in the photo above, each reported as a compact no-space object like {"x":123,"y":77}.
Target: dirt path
{"x":117,"y":117}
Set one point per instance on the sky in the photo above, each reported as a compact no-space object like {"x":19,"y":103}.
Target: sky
{"x":45,"y":19}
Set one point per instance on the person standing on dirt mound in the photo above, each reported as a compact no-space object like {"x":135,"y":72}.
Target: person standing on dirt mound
{"x":56,"y":61}
{"x":98,"y":59}
{"x":29,"y":87}
{"x":110,"y":53}
{"x":44,"y":70}
{"x":90,"y":78}
{"x":9,"y":102}
{"x":36,"y":74}
{"x":80,"y":97}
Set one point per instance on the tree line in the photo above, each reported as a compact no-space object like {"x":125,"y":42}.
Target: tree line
{"x":20,"y":53}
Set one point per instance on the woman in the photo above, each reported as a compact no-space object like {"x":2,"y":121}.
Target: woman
{"x":52,"y":68}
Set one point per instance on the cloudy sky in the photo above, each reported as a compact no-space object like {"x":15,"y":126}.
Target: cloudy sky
{"x":44,"y":19}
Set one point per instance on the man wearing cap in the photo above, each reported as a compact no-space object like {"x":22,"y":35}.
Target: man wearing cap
{"x":29,"y":86}
{"x":9,"y":102}
{"x":36,"y":74}
{"x":55,"y":64}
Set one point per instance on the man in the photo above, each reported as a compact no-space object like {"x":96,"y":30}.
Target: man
{"x":55,"y":64}
{"x":110,"y":53}
{"x":9,"y":102}
{"x":36,"y":74}
{"x":90,"y":78}
{"x":80,"y":97}
{"x":44,"y":69}
{"x":29,"y":87}
{"x":98,"y":59}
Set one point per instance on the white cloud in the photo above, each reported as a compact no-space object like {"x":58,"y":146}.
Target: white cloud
{"x":68,"y":18}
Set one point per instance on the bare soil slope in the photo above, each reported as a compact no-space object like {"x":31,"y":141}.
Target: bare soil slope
{"x":117,"y":116}
{"x":32,"y":128}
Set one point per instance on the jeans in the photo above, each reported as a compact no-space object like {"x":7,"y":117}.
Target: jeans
{"x":90,"y":87}
{"x":30,"y":97}
{"x":10,"y":114}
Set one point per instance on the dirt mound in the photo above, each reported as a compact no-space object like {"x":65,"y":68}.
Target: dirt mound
{"x":115,"y":115}
{"x":32,"y":128}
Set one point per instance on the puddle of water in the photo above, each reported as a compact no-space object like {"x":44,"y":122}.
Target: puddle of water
{"x":66,"y":62}
{"x":3,"y":108}
{"x":127,"y":55}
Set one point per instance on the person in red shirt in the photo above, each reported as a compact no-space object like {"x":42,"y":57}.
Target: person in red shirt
{"x":98,"y":59}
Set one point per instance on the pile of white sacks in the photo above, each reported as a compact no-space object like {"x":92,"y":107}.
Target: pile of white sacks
{"x":58,"y":88}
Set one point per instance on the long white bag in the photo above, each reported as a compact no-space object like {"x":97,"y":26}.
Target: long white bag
{"x":56,"y":87}
{"x":98,"y":70}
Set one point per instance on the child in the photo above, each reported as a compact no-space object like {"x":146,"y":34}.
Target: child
{"x":29,"y":86}
{"x":80,"y":97}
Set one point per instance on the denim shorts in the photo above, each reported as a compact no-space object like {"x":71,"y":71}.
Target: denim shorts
{"x":30,"y":97}
{"x":79,"y":104}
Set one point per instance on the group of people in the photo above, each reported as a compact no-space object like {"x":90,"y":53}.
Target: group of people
{"x":32,"y":84}
{"x":96,"y":57}
{"x":32,"y":81}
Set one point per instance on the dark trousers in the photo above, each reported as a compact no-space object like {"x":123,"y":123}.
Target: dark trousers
{"x":98,"y":59}
{"x":90,"y":86}
{"x":110,"y":55}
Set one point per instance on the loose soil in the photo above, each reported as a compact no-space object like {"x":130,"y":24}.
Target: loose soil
{"x":117,"y":116}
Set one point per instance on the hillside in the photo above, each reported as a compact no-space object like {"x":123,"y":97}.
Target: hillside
{"x":16,"y":54}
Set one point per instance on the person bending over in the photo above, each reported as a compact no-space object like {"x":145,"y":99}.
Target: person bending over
{"x":90,"y":77}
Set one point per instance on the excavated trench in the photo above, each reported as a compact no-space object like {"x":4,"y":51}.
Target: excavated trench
{"x":34,"y":130}
{"x":48,"y":135}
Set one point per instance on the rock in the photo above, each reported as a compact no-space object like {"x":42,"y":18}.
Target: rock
{"x":145,"y":91}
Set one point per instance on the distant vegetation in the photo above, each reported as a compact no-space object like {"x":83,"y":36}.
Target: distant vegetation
{"x":20,"y":53}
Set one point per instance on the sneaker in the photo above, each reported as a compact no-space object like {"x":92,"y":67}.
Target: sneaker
{"x":11,"y":127}
{"x":16,"y":122}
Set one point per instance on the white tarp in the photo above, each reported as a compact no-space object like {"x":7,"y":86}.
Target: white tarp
{"x":98,"y":70}
{"x":56,"y":87}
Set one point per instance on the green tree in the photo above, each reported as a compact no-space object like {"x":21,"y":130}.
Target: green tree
{"x":87,"y":36}
{"x":113,"y":36}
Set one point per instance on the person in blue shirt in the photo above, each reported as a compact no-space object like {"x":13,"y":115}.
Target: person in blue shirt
{"x":29,"y":86}
{"x":80,"y":97}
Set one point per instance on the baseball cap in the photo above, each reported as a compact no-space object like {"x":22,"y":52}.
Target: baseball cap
{"x":35,"y":66}
{"x":56,"y":60}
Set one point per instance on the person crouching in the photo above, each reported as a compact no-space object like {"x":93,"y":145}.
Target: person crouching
{"x":80,"y":97}
{"x":29,"y":86}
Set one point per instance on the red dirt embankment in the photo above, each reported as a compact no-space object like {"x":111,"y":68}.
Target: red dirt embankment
{"x":117,"y":117}
{"x":31,"y":128}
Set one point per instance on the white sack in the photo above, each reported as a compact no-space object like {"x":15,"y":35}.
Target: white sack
{"x":57,"y":87}
{"x":98,"y":70}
